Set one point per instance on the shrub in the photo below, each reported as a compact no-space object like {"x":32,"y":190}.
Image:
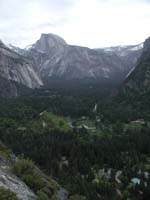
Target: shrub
{"x":77,"y":197}
{"x":34,"y":178}
{"x":42,"y":196}
{"x":6,"y":194}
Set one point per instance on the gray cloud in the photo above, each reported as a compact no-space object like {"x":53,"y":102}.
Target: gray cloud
{"x":81,"y":22}
{"x":57,"y":4}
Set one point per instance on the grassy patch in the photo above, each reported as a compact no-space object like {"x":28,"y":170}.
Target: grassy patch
{"x":50,"y":121}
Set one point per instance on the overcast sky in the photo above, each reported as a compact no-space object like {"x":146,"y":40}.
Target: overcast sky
{"x":91,"y":23}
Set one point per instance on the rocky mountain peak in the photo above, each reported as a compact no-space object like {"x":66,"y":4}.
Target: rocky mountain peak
{"x":53,"y":58}
{"x":2,"y":44}
{"x":49,"y":42}
{"x":147,"y":45}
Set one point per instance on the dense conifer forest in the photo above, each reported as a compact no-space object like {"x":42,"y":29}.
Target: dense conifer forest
{"x":93,"y":153}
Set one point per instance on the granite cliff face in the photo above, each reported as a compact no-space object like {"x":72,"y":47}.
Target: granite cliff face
{"x":15,"y":174}
{"x":55,"y":58}
{"x":52,"y":58}
{"x":9,"y":181}
{"x":138,"y":81}
{"x":132,"y":97}
{"x":129,"y":55}
{"x":15,"y":69}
